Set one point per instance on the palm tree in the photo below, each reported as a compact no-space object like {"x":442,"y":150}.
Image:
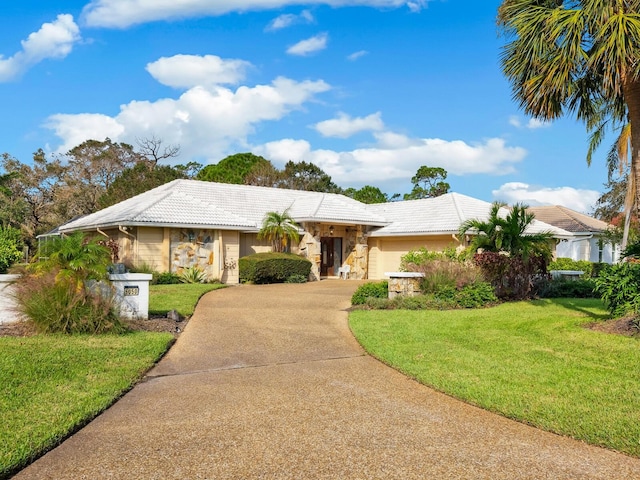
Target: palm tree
{"x":75,"y":258}
{"x":507,"y":233}
{"x":577,"y":56}
{"x":279,"y":229}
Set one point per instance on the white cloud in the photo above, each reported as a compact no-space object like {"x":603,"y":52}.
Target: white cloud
{"x":289,"y":19}
{"x":577,"y":199}
{"x":532,"y":124}
{"x":356,"y":55}
{"x":344,"y":126}
{"x":309,"y":46}
{"x":53,"y":40}
{"x":206,"y":121}
{"x":186,"y":71}
{"x":535,"y":123}
{"x":124,"y":13}
{"x":398,"y":157}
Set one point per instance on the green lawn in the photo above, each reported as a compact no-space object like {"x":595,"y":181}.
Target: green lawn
{"x":530,"y":361}
{"x":52,"y":384}
{"x":182,"y":297}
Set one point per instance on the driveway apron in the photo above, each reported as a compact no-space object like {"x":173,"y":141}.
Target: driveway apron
{"x":267,"y":382}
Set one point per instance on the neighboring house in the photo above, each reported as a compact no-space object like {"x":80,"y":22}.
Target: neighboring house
{"x":211,"y":225}
{"x":587,"y":241}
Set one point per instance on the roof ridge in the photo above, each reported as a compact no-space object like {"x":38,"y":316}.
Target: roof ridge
{"x":458,"y":208}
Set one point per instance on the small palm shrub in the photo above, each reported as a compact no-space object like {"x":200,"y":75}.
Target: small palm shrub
{"x":57,"y":294}
{"x":370,"y":290}
{"x":619,"y":287}
{"x":193,"y":274}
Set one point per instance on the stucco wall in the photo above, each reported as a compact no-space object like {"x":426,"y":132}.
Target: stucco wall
{"x":385,"y":252}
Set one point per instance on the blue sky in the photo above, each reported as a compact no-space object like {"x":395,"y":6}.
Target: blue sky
{"x":367,"y":90}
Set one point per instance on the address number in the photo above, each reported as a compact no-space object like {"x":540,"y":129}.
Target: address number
{"x":131,"y":291}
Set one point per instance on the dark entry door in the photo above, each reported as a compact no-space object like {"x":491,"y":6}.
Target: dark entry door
{"x":331,"y":256}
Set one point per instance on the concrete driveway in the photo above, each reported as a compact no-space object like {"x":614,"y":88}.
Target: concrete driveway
{"x":267,"y":382}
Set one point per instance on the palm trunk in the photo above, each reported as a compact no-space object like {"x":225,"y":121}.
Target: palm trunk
{"x":631,"y":91}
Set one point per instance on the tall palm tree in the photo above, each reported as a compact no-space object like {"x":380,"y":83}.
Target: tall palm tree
{"x":279,"y":229}
{"x":507,"y":233}
{"x":576,"y":56}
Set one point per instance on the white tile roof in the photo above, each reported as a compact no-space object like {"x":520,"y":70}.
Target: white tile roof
{"x":192,"y":203}
{"x":443,"y":214}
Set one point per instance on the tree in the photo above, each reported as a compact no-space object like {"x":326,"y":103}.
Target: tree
{"x":34,"y":189}
{"x":507,"y":234}
{"x":507,"y":255}
{"x":263,"y":174}
{"x":578,"y":56}
{"x":307,"y":176}
{"x":93,"y":166}
{"x":151,"y":148}
{"x":232,"y":169}
{"x":428,"y":182}
{"x":280,"y":229}
{"x":367,"y":194}
{"x":138,"y":179}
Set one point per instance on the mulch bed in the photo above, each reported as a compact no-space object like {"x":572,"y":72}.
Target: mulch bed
{"x":154,"y":324}
{"x":627,"y":326}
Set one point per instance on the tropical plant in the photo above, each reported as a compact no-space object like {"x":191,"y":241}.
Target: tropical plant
{"x":280,"y":229}
{"x":507,"y":233}
{"x":75,"y":257}
{"x":193,"y":274}
{"x":619,"y":287}
{"x":61,"y":292}
{"x":510,"y":257}
{"x":577,"y":56}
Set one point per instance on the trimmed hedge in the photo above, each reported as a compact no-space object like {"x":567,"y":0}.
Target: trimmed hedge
{"x":272,"y":267}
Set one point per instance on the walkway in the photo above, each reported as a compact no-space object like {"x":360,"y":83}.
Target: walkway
{"x":267,"y":382}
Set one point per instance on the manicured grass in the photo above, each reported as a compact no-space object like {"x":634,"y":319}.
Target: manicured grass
{"x":530,"y":361}
{"x":52,"y":384}
{"x":181,"y":297}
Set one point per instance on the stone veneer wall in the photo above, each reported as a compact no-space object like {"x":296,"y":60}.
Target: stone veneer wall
{"x":200,"y":251}
{"x":355,"y":251}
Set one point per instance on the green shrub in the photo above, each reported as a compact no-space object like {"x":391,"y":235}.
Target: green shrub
{"x":193,"y":274}
{"x":58,"y":305}
{"x":570,"y":264}
{"x":273,"y":267}
{"x":165,"y":278}
{"x":10,"y":244}
{"x":370,"y":290}
{"x":619,"y":287}
{"x":474,"y":295}
{"x":563,"y":288}
{"x":296,"y":278}
{"x":416,"y":258}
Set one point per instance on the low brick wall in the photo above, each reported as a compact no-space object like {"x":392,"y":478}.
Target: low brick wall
{"x":7,"y":303}
{"x":404,"y":283}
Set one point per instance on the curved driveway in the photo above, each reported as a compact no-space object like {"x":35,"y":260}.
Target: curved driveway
{"x":266,"y":382}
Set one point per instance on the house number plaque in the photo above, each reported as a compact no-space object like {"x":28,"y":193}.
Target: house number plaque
{"x":131,"y":291}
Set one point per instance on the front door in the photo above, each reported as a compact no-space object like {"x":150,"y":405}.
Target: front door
{"x":331,"y":257}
